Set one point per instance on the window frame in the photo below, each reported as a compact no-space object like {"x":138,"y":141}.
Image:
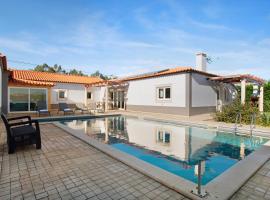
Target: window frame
{"x":65,"y":95}
{"x":91,"y":95}
{"x":162,"y":140}
{"x":29,"y":98}
{"x":163,"y":88}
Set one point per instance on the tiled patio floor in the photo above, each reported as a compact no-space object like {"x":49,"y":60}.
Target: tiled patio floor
{"x":67,"y":168}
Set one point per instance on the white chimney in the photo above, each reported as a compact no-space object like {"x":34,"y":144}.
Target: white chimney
{"x":201,"y":61}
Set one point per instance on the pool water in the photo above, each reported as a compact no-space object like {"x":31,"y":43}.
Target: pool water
{"x":178,"y":149}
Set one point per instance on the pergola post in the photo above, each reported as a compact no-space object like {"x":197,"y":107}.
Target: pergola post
{"x":261,"y":99}
{"x":243,"y":91}
{"x":106,"y":98}
{"x":106,"y":131}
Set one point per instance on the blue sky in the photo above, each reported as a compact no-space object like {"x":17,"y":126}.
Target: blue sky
{"x":125,"y":37}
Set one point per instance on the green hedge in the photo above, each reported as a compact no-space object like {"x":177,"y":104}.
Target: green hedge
{"x":267,"y":97}
{"x":229,"y":112}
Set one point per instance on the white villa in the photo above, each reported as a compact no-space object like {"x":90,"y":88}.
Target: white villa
{"x":182,"y":90}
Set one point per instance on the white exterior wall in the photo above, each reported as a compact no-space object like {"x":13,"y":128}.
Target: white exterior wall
{"x":144,"y":92}
{"x":75,"y":93}
{"x":203,"y":94}
{"x":144,"y":133}
{"x":98,"y":93}
{"x":0,"y":88}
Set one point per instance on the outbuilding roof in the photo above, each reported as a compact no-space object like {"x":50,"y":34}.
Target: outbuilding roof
{"x":46,"y":78}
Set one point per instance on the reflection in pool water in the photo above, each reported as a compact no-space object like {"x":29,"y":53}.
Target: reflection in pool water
{"x":174,"y":148}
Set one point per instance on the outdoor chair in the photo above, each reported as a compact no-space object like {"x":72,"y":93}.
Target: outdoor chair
{"x":82,"y":108}
{"x":100,"y":107}
{"x":21,"y":132}
{"x":63,"y":107}
{"x":95,"y":107}
{"x":42,"y":108}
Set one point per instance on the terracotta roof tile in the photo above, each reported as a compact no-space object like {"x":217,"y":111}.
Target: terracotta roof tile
{"x":166,"y":72}
{"x":30,"y":82}
{"x":152,"y":75}
{"x":40,"y":77}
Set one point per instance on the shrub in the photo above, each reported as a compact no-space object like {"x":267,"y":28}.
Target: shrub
{"x":229,"y":112}
{"x":266,"y":97}
{"x":265,"y":119}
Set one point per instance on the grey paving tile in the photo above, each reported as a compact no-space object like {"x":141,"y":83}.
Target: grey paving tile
{"x":67,"y":168}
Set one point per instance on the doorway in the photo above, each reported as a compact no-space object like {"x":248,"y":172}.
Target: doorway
{"x":119,"y":99}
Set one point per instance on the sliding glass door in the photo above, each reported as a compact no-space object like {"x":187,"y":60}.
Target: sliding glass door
{"x":18,"y":99}
{"x":26,"y":99}
{"x":38,"y":97}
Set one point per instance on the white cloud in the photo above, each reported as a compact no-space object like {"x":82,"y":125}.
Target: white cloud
{"x":210,"y":26}
{"x":94,"y":41}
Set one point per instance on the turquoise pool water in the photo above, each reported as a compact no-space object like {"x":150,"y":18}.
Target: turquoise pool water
{"x":175,"y":148}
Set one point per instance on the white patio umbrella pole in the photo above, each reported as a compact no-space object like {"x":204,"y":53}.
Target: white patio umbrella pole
{"x":261,"y":100}
{"x":243,"y":91}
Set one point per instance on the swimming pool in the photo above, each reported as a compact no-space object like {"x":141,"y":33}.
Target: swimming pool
{"x":184,"y":151}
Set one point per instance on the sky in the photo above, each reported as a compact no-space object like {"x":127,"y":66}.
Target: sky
{"x":127,"y":37}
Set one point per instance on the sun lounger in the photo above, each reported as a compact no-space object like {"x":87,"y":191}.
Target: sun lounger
{"x":63,"y":107}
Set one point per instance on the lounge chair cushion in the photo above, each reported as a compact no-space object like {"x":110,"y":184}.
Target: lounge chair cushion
{"x":43,"y":110}
{"x":23,"y":130}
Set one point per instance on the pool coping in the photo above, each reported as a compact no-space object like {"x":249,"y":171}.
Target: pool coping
{"x":74,"y":117}
{"x":222,"y":187}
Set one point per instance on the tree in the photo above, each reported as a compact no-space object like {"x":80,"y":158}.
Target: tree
{"x":76,"y":72}
{"x":102,"y":76}
{"x":58,"y":69}
{"x":46,"y":68}
{"x":42,"y":68}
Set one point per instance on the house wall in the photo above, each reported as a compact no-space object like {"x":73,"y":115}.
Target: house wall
{"x":98,"y":94}
{"x":203,"y":95}
{"x":3,"y":89}
{"x":75,"y":94}
{"x":142,"y":95}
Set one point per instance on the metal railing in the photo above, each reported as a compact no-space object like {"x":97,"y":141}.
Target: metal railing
{"x":252,"y":122}
{"x":238,"y":122}
{"x":237,"y":119}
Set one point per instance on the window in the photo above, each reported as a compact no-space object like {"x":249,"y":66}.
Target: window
{"x":37,"y":97}
{"x":111,"y":95}
{"x":164,"y":93}
{"x":18,"y":99}
{"x":89,"y":95}
{"x":62,"y":94}
{"x":160,"y":93}
{"x":167,"y":93}
{"x":26,"y":99}
{"x":163,"y":136}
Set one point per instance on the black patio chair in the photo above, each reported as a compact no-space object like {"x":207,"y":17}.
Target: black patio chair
{"x":42,"y":108}
{"x":22,"y":131}
{"x":63,"y":107}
